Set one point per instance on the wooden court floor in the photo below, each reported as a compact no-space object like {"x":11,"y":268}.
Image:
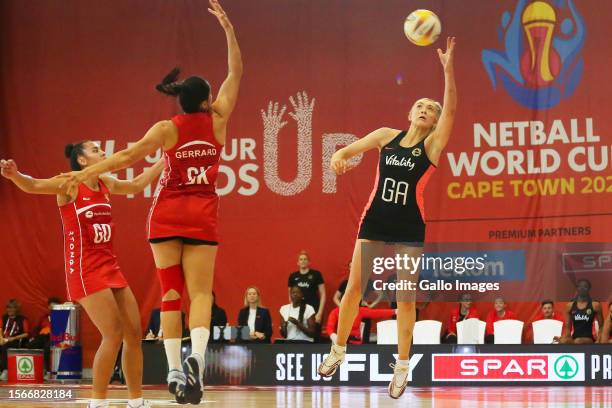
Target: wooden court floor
{"x":343,"y":397}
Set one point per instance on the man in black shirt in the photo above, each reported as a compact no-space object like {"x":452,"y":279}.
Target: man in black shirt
{"x":311,"y":283}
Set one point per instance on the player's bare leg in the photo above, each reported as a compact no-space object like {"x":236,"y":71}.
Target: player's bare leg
{"x":131,"y":355}
{"x":198,"y":265}
{"x":167,"y":255}
{"x":102,"y":309}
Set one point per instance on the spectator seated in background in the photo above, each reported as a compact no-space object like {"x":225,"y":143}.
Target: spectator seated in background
{"x":547,"y":311}
{"x":364,"y":313}
{"x":297,"y":319}
{"x":463,"y":311}
{"x":218,"y":317}
{"x":580,"y":316}
{"x":370,"y":299}
{"x":256,"y":317}
{"x":499,"y":312}
{"x":15,"y":331}
{"x":312,"y":285}
{"x":390,"y":296}
{"x":154,"y":330}
{"x":42,"y":333}
{"x":606,"y":331}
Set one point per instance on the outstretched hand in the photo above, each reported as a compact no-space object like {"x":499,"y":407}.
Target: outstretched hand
{"x":446,"y":57}
{"x":8,"y":168}
{"x":72,"y":181}
{"x":216,"y":10}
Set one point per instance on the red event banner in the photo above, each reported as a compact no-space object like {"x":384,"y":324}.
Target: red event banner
{"x":528,"y":160}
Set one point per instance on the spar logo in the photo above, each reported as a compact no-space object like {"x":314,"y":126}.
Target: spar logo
{"x":25,"y":367}
{"x":508,"y":367}
{"x":541,"y":63}
{"x":566,"y":367}
{"x":587,"y":261}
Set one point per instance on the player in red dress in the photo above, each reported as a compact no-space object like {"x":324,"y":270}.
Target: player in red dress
{"x":182,"y":223}
{"x":395,"y":211}
{"x":93,"y":277}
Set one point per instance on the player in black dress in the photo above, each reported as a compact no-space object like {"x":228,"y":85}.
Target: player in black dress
{"x":395,"y":212}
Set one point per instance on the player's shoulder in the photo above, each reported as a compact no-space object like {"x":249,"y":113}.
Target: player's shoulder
{"x":387,"y":131}
{"x":165,"y":125}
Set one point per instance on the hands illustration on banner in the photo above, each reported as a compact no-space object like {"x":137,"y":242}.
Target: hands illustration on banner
{"x":273,"y":123}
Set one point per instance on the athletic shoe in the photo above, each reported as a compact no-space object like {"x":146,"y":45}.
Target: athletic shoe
{"x":335,"y":357}
{"x":145,"y":404}
{"x":398,"y":384}
{"x":176,"y":381}
{"x":193,"y":367}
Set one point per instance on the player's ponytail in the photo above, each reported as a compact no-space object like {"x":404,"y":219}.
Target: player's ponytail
{"x":191,"y":92}
{"x":72,"y":152}
{"x":170,"y":85}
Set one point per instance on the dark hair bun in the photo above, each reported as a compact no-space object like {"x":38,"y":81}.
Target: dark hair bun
{"x":68,"y":150}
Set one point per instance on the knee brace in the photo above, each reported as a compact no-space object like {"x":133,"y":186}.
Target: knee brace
{"x":171,"y":278}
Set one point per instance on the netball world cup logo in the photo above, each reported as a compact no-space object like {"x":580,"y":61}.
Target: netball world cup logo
{"x":541,"y":64}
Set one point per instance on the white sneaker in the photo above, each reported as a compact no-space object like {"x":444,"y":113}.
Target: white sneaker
{"x":100,"y":404}
{"x":335,"y":357}
{"x":4,"y":375}
{"x":175,"y":379}
{"x":145,"y":404}
{"x":399,"y":382}
{"x":193,"y":367}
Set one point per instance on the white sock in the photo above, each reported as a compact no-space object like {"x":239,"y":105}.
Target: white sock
{"x":135,"y":403}
{"x":339,"y":349}
{"x":173,"y":353}
{"x":97,"y":403}
{"x":199,"y":340}
{"x":405,"y":363}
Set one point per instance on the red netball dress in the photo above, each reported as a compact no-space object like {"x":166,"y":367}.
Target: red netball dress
{"x":187,"y":203}
{"x":90,"y":263}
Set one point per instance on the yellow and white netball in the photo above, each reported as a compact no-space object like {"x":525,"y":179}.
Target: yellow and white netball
{"x":422,"y":27}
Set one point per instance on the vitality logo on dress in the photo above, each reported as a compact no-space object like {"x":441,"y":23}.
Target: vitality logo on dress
{"x":394,"y":161}
{"x":541,"y":64}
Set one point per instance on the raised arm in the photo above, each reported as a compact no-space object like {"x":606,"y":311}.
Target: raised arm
{"x":152,"y":140}
{"x":137,"y":184}
{"x":376,"y":139}
{"x":29,"y":184}
{"x":228,"y":92}
{"x":444,"y":126}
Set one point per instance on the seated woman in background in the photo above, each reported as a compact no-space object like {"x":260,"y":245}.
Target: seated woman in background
{"x":463,"y":311}
{"x":580,"y":315}
{"x":363,"y":313}
{"x":218,"y":318}
{"x":499,"y":312}
{"x":297,"y":319}
{"x":15,"y":331}
{"x":256,"y":317}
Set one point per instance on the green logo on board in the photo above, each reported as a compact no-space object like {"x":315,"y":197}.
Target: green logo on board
{"x":566,"y":367}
